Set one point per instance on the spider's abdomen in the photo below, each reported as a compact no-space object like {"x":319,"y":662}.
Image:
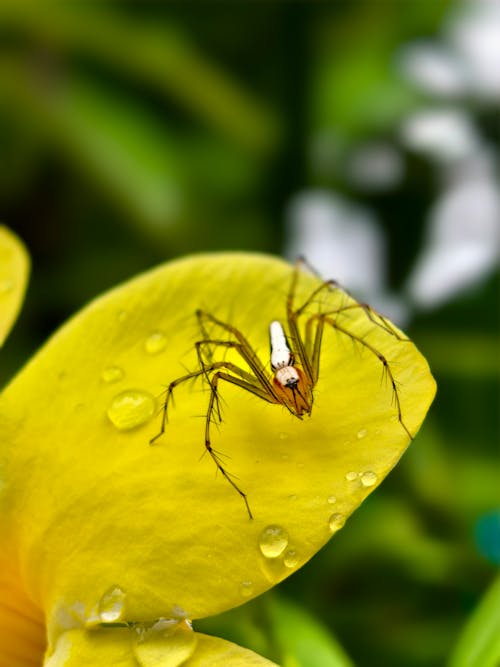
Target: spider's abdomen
{"x":281,"y":357}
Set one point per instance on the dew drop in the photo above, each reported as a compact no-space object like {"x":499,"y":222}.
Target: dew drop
{"x":273,"y":541}
{"x":112,"y":374}
{"x":130,"y":409}
{"x":246,"y":589}
{"x":332,"y":500}
{"x":166,"y":636}
{"x":368,"y":478}
{"x":112,"y":605}
{"x":291,"y":558}
{"x":351,"y":476}
{"x":336,"y":522}
{"x":361,"y":433}
{"x":155,"y":343}
{"x":283,"y":436}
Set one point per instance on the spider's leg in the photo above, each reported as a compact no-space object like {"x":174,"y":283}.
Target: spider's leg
{"x":267,"y":389}
{"x":300,"y":346}
{"x":383,"y":360}
{"x":375,"y":318}
{"x":244,"y":384}
{"x":189,"y":376}
{"x":245,"y":350}
{"x":313,"y":343}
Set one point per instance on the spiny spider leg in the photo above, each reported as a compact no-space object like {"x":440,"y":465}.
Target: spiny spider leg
{"x":323,"y":318}
{"x":267,"y":387}
{"x":245,"y":350}
{"x":216,"y":377}
{"x":372,"y":315}
{"x":184,"y":378}
{"x":331,"y":285}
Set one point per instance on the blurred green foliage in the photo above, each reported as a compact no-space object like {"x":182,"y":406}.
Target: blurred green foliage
{"x":132,"y":132}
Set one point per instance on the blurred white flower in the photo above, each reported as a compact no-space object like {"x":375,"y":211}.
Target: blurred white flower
{"x":434,"y":68}
{"x":342,"y":241}
{"x":463,"y":241}
{"x":445,"y":135}
{"x":375,"y":166}
{"x":475,"y":34}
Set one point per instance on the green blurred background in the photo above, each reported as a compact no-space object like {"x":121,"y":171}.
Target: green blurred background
{"x":364,"y":134}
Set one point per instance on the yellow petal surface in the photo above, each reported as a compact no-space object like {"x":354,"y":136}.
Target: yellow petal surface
{"x":135,"y":647}
{"x":215,"y":652}
{"x":22,"y":627}
{"x":14,"y":265}
{"x":109,"y":528}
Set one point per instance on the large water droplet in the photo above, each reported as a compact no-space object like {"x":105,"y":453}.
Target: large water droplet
{"x":336,"y":522}
{"x":130,"y":409}
{"x":246,"y":589}
{"x":112,"y":374}
{"x":273,"y":541}
{"x":361,"y":433}
{"x":155,"y":343}
{"x":290,"y":558}
{"x":112,"y":605}
{"x":369,"y":478}
{"x":166,"y":642}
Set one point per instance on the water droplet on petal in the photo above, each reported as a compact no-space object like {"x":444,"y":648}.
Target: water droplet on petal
{"x":336,"y":522}
{"x":291,"y":558}
{"x":167,"y":642}
{"x":283,"y":436}
{"x":332,"y":500}
{"x":351,"y":476}
{"x":130,"y":409}
{"x":246,"y":589}
{"x":361,"y":433}
{"x":112,"y":374}
{"x":273,"y":541}
{"x":155,"y":343}
{"x":112,"y":605}
{"x":369,"y":478}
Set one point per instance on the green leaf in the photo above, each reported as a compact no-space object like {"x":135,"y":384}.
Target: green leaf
{"x":161,"y":56}
{"x":479,"y":643}
{"x":302,"y":641}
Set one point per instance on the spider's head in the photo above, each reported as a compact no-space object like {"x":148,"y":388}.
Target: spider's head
{"x":294,"y":390}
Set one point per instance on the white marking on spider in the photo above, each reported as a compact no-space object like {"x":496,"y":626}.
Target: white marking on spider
{"x":281,"y":357}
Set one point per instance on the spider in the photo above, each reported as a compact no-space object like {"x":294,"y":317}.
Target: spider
{"x":294,"y":362}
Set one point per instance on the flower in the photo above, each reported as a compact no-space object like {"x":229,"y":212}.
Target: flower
{"x":111,"y":545}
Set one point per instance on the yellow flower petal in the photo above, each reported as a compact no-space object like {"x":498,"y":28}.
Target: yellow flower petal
{"x":22,"y":628}
{"x":215,"y":652}
{"x":14,"y":266}
{"x":132,"y":647}
{"x":103,"y":520}
{"x":104,"y":647}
